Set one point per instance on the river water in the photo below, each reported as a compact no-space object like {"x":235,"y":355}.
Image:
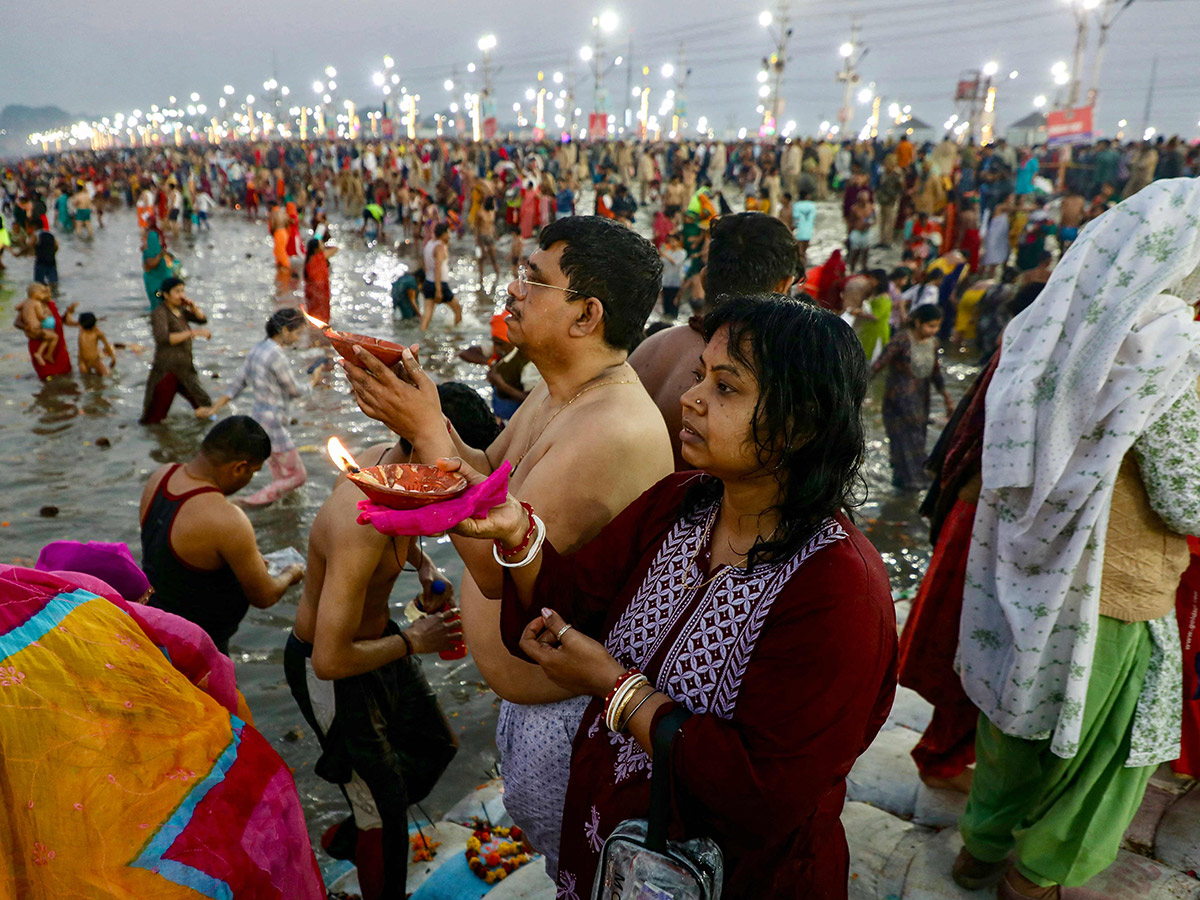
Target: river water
{"x":53,"y":454}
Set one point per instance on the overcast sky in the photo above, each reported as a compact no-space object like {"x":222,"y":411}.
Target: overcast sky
{"x":117,"y":55}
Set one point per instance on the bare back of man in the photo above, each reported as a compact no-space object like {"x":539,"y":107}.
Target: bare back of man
{"x":665,"y":363}
{"x":748,"y":253}
{"x":578,"y":465}
{"x":334,"y":532}
{"x":1071,"y":210}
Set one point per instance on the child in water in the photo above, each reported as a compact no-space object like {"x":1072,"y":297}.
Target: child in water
{"x":37,"y":322}
{"x":91,"y":341}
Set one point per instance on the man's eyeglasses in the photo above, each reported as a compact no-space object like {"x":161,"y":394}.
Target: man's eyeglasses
{"x":523,"y":284}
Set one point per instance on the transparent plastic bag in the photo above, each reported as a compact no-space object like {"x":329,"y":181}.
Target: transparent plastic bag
{"x":629,"y":870}
{"x":279,"y":560}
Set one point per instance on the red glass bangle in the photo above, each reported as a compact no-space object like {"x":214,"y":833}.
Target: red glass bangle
{"x":620,"y":681}
{"x":521,"y":547}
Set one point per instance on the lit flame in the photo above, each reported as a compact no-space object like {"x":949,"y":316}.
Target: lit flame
{"x":313,"y":320}
{"x":341,"y":456}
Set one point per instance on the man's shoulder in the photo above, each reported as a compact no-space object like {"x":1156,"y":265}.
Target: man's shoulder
{"x":209,"y":519}
{"x":158,"y":474}
{"x":677,"y":338}
{"x":215,"y":506}
{"x":337,"y":519}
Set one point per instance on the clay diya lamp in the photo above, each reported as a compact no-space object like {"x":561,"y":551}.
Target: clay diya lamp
{"x":398,"y":485}
{"x":387,"y":352}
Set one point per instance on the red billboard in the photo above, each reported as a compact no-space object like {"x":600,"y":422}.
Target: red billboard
{"x":597,"y":126}
{"x":1069,"y":126}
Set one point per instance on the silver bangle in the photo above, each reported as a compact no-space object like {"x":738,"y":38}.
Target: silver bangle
{"x":533,"y":551}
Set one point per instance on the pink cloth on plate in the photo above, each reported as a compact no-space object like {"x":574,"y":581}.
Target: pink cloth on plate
{"x":435,"y":518}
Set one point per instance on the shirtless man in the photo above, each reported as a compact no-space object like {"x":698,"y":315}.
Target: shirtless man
{"x":83,"y":211}
{"x":748,"y":253}
{"x":436,"y":288}
{"x":1071,"y":211}
{"x":485,"y":235}
{"x":198,"y":549}
{"x":586,"y":442}
{"x":354,"y":675}
{"x":674,"y":196}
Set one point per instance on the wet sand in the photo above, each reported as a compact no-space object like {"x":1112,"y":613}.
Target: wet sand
{"x":52,"y":457}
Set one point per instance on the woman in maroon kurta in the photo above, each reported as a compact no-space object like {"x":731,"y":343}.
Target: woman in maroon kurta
{"x":785,"y":654}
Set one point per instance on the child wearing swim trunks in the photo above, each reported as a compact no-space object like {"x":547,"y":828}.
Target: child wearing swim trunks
{"x":42,"y":331}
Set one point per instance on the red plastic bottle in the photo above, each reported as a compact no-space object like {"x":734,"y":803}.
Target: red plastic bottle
{"x":458,"y":649}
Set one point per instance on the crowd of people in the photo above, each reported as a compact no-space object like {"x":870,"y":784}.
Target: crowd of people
{"x":702,"y":596}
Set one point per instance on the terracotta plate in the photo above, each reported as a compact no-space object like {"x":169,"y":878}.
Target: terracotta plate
{"x":408,"y":485}
{"x":386,"y":352}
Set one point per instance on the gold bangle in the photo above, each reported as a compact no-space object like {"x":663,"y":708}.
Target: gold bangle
{"x":637,"y":681}
{"x":621,"y":726}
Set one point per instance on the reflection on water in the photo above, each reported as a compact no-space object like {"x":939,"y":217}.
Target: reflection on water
{"x":74,"y":442}
{"x":55,"y":404}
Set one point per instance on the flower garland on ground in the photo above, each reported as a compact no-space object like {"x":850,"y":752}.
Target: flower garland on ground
{"x":423,"y":849}
{"x":495,"y":853}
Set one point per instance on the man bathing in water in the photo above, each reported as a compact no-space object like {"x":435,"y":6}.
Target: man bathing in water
{"x":83,"y":211}
{"x":198,"y":548}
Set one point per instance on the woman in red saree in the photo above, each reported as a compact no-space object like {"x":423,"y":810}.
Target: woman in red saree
{"x":316,"y":279}
{"x":60,"y":364}
{"x":744,"y":594}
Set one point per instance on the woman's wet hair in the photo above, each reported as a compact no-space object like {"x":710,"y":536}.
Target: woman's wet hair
{"x":924,"y":314}
{"x":312,"y":248}
{"x":807,"y":423}
{"x":283,"y":319}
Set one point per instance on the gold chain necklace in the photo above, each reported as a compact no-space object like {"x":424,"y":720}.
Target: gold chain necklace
{"x":687,"y":585}
{"x":583,"y":390}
